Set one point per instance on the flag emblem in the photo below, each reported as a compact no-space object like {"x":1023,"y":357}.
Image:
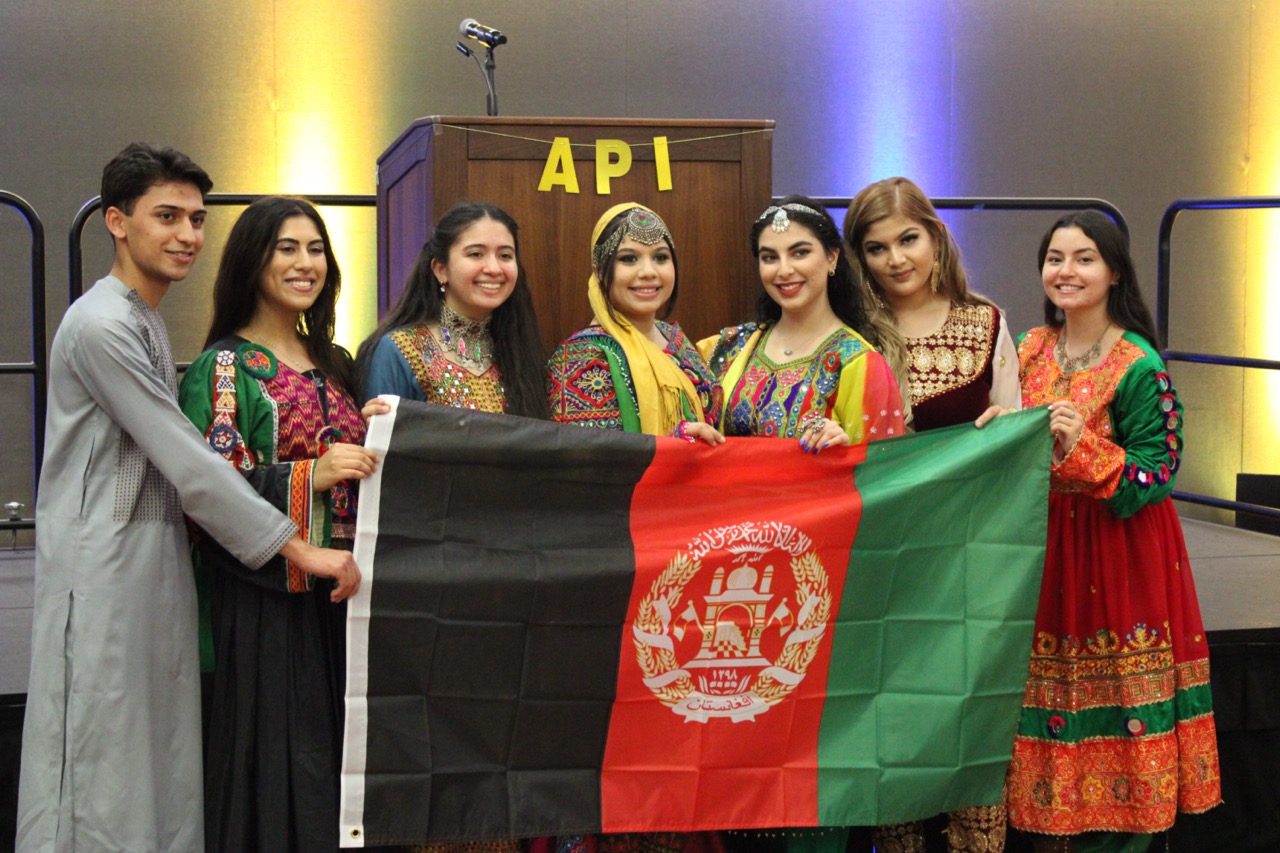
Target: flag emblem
{"x":730,"y":627}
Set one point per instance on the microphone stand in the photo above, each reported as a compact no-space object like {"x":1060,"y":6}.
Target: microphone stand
{"x":486,"y":71}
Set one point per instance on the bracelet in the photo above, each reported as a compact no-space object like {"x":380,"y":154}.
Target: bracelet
{"x":682,"y":431}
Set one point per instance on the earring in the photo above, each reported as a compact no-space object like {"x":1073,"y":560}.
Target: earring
{"x":442,"y":290}
{"x":933,"y":278}
{"x":875,"y":297}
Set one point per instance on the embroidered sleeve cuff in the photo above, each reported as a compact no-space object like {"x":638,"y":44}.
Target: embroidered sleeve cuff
{"x":307,"y":512}
{"x":1093,"y":460}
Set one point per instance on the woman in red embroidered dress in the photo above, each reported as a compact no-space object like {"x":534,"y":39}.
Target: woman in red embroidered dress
{"x":1117,"y":732}
{"x":960,"y":360}
{"x":272,"y":393}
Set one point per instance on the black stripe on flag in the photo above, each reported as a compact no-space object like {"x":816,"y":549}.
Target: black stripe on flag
{"x":515,"y":550}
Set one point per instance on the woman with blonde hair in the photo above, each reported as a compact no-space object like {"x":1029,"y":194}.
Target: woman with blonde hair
{"x":960,"y":361}
{"x":961,"y":358}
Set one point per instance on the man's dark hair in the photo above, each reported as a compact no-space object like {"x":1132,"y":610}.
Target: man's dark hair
{"x":139,"y":167}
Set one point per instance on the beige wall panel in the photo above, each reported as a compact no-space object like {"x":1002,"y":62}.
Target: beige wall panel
{"x":1119,"y":101}
{"x":1261,"y":420}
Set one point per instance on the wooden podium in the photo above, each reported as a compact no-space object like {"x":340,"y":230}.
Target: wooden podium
{"x":721,"y":178}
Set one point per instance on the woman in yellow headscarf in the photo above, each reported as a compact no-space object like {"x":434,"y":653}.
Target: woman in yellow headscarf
{"x":629,"y":369}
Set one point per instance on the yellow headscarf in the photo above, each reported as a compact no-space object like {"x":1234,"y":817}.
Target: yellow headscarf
{"x":659,"y":383}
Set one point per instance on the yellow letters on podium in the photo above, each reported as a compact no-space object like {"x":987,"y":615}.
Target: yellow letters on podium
{"x":559,"y":170}
{"x":613,"y":160}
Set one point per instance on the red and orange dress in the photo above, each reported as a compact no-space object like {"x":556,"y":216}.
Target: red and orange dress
{"x":1117,"y":730}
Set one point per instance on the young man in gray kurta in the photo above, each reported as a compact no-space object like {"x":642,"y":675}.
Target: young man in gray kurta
{"x":111,"y":746}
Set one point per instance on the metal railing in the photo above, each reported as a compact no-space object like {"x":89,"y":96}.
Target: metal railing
{"x":1164,"y":255}
{"x":38,"y":366}
{"x":1006,"y":204}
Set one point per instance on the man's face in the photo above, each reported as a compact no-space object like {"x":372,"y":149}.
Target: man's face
{"x":163,"y":236}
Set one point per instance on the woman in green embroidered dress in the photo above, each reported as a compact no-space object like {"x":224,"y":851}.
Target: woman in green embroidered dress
{"x":630,"y":370}
{"x":464,"y":332}
{"x":273,"y":394}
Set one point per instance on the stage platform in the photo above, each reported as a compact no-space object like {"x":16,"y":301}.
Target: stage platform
{"x":1237,"y":578}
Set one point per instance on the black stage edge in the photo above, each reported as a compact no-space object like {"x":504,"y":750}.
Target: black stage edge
{"x":1245,"y":667}
{"x":12,"y":706}
{"x":1263,"y":490}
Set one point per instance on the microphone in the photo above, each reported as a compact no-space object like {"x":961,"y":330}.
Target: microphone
{"x":487,"y":36}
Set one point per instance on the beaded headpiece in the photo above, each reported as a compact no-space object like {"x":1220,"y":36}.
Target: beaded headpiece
{"x":781,"y":222}
{"x":643,"y":226}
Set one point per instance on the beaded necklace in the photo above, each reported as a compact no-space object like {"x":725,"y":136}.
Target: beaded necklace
{"x":1070,"y":366}
{"x":468,"y":339}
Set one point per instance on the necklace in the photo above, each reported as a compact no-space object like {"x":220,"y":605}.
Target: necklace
{"x":278,"y":350}
{"x":791,"y":350}
{"x":1070,"y":366}
{"x":468,"y":339}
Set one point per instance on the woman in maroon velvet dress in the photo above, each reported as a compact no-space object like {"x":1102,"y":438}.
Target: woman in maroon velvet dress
{"x":959,"y":361}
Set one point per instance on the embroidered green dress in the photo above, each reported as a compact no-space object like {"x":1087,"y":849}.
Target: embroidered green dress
{"x":589,"y":381}
{"x":275,"y":717}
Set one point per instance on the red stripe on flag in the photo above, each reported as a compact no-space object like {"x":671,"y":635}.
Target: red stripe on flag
{"x":741,"y":556}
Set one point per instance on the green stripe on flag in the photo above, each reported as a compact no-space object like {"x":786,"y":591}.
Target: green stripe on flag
{"x":930,"y":648}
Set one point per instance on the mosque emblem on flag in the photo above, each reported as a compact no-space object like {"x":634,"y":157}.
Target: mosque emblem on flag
{"x":730,"y":627}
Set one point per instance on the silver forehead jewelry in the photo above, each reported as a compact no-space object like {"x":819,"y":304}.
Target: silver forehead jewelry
{"x":643,"y":226}
{"x":781,"y":222}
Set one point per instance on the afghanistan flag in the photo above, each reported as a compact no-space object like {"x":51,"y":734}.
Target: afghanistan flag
{"x":567,"y":630}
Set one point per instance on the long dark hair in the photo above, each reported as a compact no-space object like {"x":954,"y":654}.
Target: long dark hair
{"x":1125,"y":306}
{"x":844,"y":294}
{"x":244,"y":259}
{"x":605,"y":276}
{"x":517,"y":340}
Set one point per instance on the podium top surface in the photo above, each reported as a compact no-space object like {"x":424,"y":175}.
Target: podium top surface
{"x":586,"y":121}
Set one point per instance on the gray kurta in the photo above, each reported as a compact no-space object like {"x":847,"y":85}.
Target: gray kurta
{"x":111,"y":745}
